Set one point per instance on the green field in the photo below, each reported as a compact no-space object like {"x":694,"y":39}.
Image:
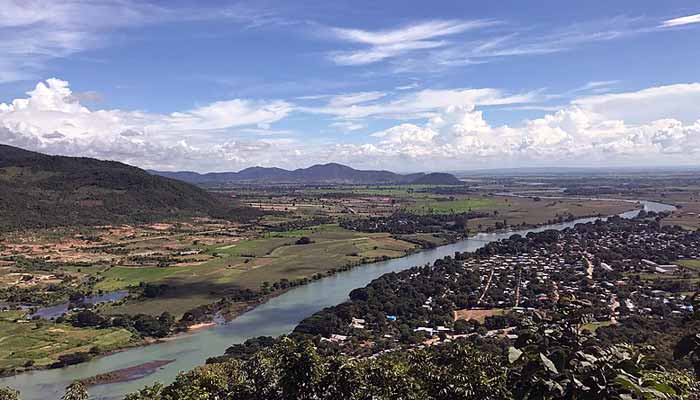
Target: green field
{"x":593,"y":326}
{"x":254,"y":248}
{"x":417,"y":191}
{"x":693,"y":265}
{"x":453,"y":206}
{"x":424,"y":237}
{"x":249,"y":263}
{"x":43,"y":342}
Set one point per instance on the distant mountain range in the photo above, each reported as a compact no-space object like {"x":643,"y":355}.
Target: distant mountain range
{"x":576,"y":171}
{"x":323,"y":173}
{"x":38,"y":190}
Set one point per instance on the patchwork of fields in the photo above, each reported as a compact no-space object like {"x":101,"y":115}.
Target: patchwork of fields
{"x":249,"y":264}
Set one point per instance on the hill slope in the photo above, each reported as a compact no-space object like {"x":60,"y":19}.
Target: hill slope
{"x":437,"y":178}
{"x":322,"y":173}
{"x":38,"y":190}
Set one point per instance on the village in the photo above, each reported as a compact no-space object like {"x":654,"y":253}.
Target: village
{"x":599,"y":274}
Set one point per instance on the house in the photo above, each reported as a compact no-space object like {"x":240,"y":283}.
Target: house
{"x":666,"y":269}
{"x":358,"y":323}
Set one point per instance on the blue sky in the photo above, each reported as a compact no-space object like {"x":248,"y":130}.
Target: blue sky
{"x":402,"y":85}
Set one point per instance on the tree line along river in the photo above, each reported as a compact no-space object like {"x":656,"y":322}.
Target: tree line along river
{"x":276,"y":317}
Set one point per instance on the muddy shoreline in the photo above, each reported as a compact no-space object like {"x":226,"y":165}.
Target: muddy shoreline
{"x":126,"y":374}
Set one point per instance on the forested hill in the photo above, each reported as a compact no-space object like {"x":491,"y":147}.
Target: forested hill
{"x":37,"y":190}
{"x":323,"y":173}
{"x":437,"y":178}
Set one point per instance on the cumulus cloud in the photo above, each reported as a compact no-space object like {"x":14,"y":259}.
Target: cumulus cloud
{"x":443,"y":129}
{"x":581,"y":133}
{"x":52,"y":119}
{"x":680,"y":101}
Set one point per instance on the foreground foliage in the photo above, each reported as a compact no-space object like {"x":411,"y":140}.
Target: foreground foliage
{"x":557,"y":364}
{"x":543,"y":363}
{"x":294,"y":370}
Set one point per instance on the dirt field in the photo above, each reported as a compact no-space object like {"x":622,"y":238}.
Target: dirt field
{"x":250,"y":263}
{"x":477,"y":315}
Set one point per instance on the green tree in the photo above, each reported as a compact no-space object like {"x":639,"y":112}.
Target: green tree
{"x":564,"y":364}
{"x":75,"y":391}
{"x":342,"y":379}
{"x":689,"y":345}
{"x":148,"y":393}
{"x":301,"y":370}
{"x":7,"y":393}
{"x":460,"y":372}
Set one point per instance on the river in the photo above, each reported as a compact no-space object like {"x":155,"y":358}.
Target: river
{"x":276,"y":317}
{"x":56,"y":311}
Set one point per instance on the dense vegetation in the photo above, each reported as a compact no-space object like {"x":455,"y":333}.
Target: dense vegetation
{"x":543,"y":365}
{"x":38,"y":190}
{"x":404,"y":222}
{"x":437,"y":178}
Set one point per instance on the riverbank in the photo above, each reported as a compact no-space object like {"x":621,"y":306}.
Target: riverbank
{"x":126,"y":374}
{"x":226,"y":312}
{"x":275,"y":317}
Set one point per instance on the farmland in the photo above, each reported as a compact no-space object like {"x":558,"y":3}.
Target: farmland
{"x":250,"y":263}
{"x":39,"y":344}
{"x":193,"y":264}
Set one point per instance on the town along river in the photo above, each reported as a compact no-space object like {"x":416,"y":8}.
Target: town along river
{"x":276,"y":317}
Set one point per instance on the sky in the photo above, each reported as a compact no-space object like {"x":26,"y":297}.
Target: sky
{"x":400,"y":85}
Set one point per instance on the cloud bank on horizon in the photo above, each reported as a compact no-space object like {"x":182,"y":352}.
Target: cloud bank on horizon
{"x":403,"y":104}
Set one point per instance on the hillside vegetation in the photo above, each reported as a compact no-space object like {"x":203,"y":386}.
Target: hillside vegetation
{"x":37,"y":190}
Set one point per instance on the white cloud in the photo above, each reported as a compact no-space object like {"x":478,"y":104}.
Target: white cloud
{"x":587,"y":132}
{"x":420,"y":104}
{"x":392,"y":43}
{"x":226,"y":114}
{"x":680,"y":101}
{"x":34,"y":32}
{"x":52,"y":119}
{"x":409,"y":86}
{"x":515,"y":41}
{"x":347,"y":126}
{"x":354,"y":98}
{"x":689,"y":19}
{"x":654,"y":125}
{"x":595,"y":87}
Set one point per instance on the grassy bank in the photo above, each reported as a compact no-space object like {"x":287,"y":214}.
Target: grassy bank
{"x":248,"y":264}
{"x":39,"y":344}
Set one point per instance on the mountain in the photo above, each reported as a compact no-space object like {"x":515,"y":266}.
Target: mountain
{"x":437,"y":178}
{"x":332,"y":173}
{"x":38,"y":190}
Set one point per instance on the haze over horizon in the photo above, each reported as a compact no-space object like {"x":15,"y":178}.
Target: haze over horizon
{"x":403,"y":87}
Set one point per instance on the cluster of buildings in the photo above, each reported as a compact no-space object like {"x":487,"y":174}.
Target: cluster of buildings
{"x":602,"y":273}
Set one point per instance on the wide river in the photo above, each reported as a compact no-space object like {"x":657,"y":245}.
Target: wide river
{"x":276,"y":317}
